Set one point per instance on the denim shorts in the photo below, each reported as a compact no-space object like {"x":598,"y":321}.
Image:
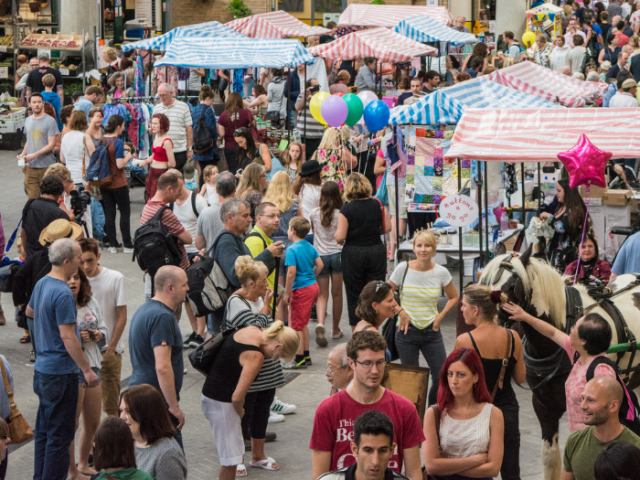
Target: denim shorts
{"x":332,"y":264}
{"x":81,"y":379}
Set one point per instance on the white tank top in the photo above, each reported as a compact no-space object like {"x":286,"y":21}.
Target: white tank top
{"x":463,"y":438}
{"x":211,"y":196}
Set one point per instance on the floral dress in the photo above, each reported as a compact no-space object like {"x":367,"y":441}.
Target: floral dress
{"x":333,"y":168}
{"x":542,"y":56}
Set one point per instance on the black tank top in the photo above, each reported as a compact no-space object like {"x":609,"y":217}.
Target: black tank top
{"x":492,"y":367}
{"x":225,"y":373}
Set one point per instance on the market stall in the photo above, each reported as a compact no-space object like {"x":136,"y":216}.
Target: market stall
{"x":543,"y":82}
{"x":368,"y":15}
{"x":425,"y":29}
{"x":274,"y":25}
{"x":537,"y":16}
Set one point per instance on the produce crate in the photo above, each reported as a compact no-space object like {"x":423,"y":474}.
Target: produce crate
{"x":11,"y":126}
{"x":13,"y":115}
{"x":11,"y":141}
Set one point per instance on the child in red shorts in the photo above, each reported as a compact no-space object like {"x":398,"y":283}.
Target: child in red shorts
{"x":301,"y":292}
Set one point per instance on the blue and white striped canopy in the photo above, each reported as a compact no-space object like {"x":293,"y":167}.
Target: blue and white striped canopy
{"x":426,"y":29}
{"x":235,"y":53}
{"x":447,"y":105}
{"x":199,"y":30}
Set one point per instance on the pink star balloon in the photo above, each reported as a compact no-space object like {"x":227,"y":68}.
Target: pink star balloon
{"x":585,"y":164}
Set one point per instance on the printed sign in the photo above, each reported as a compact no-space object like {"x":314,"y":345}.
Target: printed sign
{"x":458,"y":210}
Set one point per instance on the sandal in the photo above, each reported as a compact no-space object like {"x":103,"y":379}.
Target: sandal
{"x":241,"y":470}
{"x":25,"y":338}
{"x":266,"y":464}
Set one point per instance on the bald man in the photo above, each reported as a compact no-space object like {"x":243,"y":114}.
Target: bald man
{"x":601,"y":401}
{"x":180,"y":124}
{"x":155,"y":341}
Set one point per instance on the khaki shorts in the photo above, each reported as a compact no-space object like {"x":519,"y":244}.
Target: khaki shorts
{"x":392,"y":201}
{"x":110,"y":379}
{"x":32,"y":180}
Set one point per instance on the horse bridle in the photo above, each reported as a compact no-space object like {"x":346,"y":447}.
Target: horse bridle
{"x":522,"y":298}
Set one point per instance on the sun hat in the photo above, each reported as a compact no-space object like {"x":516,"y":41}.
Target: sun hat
{"x":60,"y":228}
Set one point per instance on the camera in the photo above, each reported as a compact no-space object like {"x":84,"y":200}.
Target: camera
{"x":80,"y":200}
{"x":239,"y":171}
{"x":314,"y":89}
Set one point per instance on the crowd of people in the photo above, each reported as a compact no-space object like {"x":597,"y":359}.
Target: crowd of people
{"x":288,"y":230}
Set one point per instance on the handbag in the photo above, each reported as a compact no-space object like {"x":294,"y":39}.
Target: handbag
{"x":383,"y":192}
{"x":19,"y":429}
{"x":273,"y":116}
{"x":390,"y":329}
{"x":203,"y":357}
{"x":382,"y":210}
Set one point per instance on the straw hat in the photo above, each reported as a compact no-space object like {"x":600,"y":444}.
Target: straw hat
{"x":629,"y":83}
{"x":60,"y":228}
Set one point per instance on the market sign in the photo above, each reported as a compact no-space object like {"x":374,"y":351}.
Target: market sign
{"x":458,"y":210}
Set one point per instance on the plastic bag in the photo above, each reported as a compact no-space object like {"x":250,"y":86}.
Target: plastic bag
{"x":611,"y":246}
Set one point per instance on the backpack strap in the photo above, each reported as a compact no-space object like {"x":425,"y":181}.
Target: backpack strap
{"x":256,"y":234}
{"x":215,"y":242}
{"x":13,"y":236}
{"x":598,"y":361}
{"x":505,"y":362}
{"x":404,"y":275}
{"x":193,"y":204}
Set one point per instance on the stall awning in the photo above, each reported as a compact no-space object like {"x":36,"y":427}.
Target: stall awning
{"x":546,"y":8}
{"x":208,"y":30}
{"x":389,"y":15}
{"x":274,"y":25}
{"x":447,"y":105}
{"x":380,"y":43}
{"x":545,"y":83}
{"x":235,"y":53}
{"x":426,"y":29}
{"x":539,"y":135}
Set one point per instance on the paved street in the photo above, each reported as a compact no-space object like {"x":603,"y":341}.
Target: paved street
{"x":305,"y":391}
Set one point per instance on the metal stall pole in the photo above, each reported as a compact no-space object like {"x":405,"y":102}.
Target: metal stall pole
{"x":539,"y":188}
{"x":524,"y":210}
{"x":84,"y":66}
{"x":479,"y":192}
{"x":486,"y":206}
{"x":460,"y":259}
{"x":397,"y":194}
{"x":275,"y":289}
{"x":304,"y":111}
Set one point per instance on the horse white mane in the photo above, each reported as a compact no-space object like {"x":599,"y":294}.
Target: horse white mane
{"x":540,"y":278}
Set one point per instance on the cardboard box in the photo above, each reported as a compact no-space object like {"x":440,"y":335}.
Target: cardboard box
{"x":594,"y":192}
{"x":617,"y":197}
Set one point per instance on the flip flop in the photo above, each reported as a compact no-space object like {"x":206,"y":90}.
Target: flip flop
{"x":266,"y":464}
{"x":240,"y":469}
{"x":25,"y":339}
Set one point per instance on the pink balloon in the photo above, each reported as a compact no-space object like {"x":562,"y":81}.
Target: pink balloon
{"x":367,"y":97}
{"x":585,"y":164}
{"x":334,"y":110}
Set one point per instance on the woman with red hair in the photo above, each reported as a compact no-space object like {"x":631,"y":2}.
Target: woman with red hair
{"x":464,"y":433}
{"x":162,"y":158}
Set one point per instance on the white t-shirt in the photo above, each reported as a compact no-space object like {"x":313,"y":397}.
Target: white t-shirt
{"x":323,"y":239}
{"x":420,"y":292}
{"x":309,"y":199}
{"x":236,"y":305}
{"x":108,"y":290}
{"x":73,"y":149}
{"x":577,"y":57}
{"x":90,"y":318}
{"x":188,"y":218}
{"x":211,"y":195}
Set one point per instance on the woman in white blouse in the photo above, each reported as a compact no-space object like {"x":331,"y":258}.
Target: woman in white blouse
{"x":469,"y":441}
{"x":560,"y":54}
{"x":73,"y":152}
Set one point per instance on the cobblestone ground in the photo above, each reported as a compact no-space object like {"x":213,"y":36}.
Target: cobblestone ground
{"x":291,"y":450}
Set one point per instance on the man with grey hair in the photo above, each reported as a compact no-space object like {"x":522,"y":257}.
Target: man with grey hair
{"x":180,"y":124}
{"x":460,"y":25}
{"x":59,"y":354}
{"x":209,"y":221}
{"x":155,"y":342}
{"x":339,"y":373}
{"x":228,"y":246}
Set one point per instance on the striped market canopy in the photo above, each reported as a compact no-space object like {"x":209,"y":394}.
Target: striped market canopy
{"x":426,"y":29}
{"x":390,"y":15}
{"x":235,"y":53}
{"x":274,"y":25}
{"x":446,"y":106}
{"x":543,"y":82}
{"x":200,"y":30}
{"x":380,"y":43}
{"x":540,"y":135}
{"x":546,"y":8}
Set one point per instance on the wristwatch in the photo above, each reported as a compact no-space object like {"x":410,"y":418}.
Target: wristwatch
{"x":189,"y":149}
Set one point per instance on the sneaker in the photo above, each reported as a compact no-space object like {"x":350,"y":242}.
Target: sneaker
{"x":278,"y":406}
{"x":276,"y":418}
{"x":321,"y":339}
{"x":196,"y":341}
{"x":292,"y":365}
{"x":188,"y":340}
{"x":113,"y":248}
{"x":307,"y":361}
{"x":126,"y":249}
{"x":32,"y":356}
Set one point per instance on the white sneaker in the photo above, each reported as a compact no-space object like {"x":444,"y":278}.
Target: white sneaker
{"x":113,"y":250}
{"x":276,"y":418}
{"x":278,"y":406}
{"x":127,"y":250}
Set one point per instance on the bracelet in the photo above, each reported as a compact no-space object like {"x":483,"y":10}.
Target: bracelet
{"x":400,"y":311}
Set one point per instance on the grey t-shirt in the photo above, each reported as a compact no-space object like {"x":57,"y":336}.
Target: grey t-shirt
{"x":209,"y":224}
{"x":164,"y":460}
{"x":38,"y":132}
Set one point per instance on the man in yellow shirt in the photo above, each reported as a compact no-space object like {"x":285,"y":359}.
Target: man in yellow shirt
{"x":267,"y":222}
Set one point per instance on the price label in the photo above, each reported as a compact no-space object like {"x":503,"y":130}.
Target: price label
{"x":458,"y":210}
{"x":64,"y":71}
{"x":4,"y":72}
{"x":3,"y":49}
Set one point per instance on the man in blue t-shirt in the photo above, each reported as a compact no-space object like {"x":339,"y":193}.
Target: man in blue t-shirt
{"x":155,"y":342}
{"x":627,"y":261}
{"x":59,"y":354}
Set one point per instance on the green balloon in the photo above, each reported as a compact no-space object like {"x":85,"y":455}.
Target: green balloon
{"x":356,"y":108}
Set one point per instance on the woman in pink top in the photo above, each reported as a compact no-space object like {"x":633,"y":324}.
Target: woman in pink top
{"x":590,"y":337}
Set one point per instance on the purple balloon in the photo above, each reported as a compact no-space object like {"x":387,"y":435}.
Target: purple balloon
{"x":334,"y":110}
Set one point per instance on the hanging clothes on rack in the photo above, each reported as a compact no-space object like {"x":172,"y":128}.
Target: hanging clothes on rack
{"x":139,"y":83}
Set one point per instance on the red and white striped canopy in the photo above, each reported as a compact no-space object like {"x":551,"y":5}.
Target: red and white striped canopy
{"x":380,"y":43}
{"x":540,"y":135}
{"x":391,"y":15}
{"x":543,"y":82}
{"x":274,"y":25}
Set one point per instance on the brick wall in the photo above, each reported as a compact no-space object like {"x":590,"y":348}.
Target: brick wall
{"x":189,"y":12}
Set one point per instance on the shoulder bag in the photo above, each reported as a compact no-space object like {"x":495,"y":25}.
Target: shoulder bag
{"x":505,"y":362}
{"x":19,"y":429}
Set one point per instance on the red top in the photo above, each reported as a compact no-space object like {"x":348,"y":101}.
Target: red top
{"x":159,"y":153}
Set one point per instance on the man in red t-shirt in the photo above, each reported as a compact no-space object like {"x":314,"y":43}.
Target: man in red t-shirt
{"x":335,"y":416}
{"x":169,"y":189}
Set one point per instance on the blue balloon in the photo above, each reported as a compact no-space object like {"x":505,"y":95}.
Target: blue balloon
{"x":376,"y":115}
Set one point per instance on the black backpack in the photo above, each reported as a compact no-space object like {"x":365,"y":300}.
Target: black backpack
{"x":633,"y":424}
{"x":202,"y":137}
{"x":155,"y":246}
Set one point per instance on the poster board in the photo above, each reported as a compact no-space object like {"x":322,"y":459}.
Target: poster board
{"x":409,"y":382}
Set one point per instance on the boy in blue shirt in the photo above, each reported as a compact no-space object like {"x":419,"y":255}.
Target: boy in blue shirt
{"x":49,"y":82}
{"x":301,"y":291}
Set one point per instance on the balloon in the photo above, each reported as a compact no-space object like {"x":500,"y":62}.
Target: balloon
{"x":367,"y":97}
{"x":585,"y":164}
{"x":355,"y":106}
{"x":334,"y":111}
{"x":376,"y":115}
{"x":315,"y":105}
{"x":528,"y":38}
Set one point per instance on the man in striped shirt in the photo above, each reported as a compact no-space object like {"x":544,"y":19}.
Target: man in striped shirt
{"x":180,"y":125}
{"x":312,"y":131}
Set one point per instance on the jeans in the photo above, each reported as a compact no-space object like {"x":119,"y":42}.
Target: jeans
{"x":112,"y":198}
{"x":214,"y":321}
{"x":410,"y":345}
{"x":110,"y":379}
{"x":361,"y":265}
{"x":178,"y":434}
{"x":55,"y":424}
{"x":181,"y":160}
{"x":230,"y":157}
